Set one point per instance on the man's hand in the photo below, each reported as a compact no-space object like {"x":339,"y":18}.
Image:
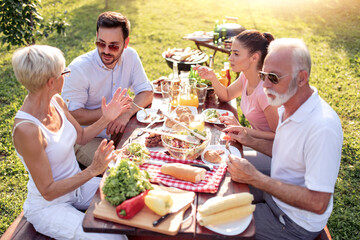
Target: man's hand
{"x":238,"y":133}
{"x":102,"y":157}
{"x":118,"y":104}
{"x":229,"y":120}
{"x":241,"y":170}
{"x":119,"y":124}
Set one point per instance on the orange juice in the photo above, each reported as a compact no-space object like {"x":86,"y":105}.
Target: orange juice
{"x":198,"y":123}
{"x":223,"y":79}
{"x":174,"y":102}
{"x":189,"y":99}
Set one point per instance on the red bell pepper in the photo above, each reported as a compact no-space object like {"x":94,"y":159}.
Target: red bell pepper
{"x":225,"y":114}
{"x":132,"y":206}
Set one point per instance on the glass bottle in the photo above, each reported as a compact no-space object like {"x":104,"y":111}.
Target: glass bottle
{"x":216,"y":29}
{"x":216,"y":33}
{"x":175,"y":86}
{"x":211,"y":61}
{"x":223,"y":31}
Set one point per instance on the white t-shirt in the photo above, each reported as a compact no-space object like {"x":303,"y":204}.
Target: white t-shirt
{"x":307,"y":153}
{"x":90,"y":80}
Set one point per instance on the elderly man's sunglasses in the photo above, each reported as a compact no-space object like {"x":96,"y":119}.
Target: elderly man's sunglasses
{"x":271,"y":76}
{"x":66,"y":72}
{"x":112,"y":47}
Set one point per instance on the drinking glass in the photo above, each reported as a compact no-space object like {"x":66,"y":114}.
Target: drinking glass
{"x":201,"y":89}
{"x":198,"y":123}
{"x":165,"y":92}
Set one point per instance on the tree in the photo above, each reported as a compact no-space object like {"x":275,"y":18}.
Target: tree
{"x":20,"y":22}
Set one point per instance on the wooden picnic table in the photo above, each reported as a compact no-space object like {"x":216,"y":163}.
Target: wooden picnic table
{"x":211,"y":45}
{"x":189,"y":229}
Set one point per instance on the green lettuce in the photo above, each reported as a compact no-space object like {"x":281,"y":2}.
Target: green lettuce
{"x":125,"y":181}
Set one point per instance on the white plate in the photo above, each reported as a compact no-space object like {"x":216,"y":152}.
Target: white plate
{"x":140,"y":115}
{"x":173,"y":114}
{"x":221,"y":111}
{"x":231,"y":228}
{"x":224,"y":156}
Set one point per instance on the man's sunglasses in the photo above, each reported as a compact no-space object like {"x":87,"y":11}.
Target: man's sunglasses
{"x":66,"y":72}
{"x":271,"y":76}
{"x":112,"y":47}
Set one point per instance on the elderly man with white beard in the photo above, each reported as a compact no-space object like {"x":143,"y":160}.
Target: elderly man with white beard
{"x":296,"y":201}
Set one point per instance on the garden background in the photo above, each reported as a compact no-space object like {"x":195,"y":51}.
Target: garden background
{"x":330,"y":28}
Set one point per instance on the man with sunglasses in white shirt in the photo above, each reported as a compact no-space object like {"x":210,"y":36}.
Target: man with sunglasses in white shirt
{"x":99,"y":73}
{"x":296,"y":201}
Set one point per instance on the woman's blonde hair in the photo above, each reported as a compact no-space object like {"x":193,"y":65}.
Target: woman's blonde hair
{"x":34,"y":65}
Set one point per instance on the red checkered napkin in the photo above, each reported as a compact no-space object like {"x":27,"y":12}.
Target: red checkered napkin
{"x":209,"y":185}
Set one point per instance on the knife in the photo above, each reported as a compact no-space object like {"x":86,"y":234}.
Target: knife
{"x":207,"y":167}
{"x":173,"y":210}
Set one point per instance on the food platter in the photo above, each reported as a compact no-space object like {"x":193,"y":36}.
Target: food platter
{"x":216,"y":120}
{"x":224,"y":156}
{"x":200,"y":36}
{"x":173,"y":114}
{"x":184,"y":58}
{"x":156,"y":84}
{"x":231,"y":228}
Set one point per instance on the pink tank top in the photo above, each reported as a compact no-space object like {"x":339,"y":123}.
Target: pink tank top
{"x":253,"y":105}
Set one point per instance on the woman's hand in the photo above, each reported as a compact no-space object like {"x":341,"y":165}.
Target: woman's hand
{"x":229,"y":120}
{"x":205,"y":72}
{"x":118,"y":104}
{"x":102,"y":157}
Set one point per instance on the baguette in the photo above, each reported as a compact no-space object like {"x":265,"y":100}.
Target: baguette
{"x":184,"y":172}
{"x":228,"y":215}
{"x":223,"y":203}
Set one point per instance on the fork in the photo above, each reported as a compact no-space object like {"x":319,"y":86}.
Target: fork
{"x":227,"y":146}
{"x":141,"y":108}
{"x":148,"y":126}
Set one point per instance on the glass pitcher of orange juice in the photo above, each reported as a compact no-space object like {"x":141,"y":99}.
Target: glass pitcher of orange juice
{"x":189,"y":97}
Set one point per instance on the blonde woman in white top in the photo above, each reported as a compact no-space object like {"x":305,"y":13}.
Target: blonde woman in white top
{"x":44,"y":135}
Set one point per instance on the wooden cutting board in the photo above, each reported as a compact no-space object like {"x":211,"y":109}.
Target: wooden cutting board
{"x":144,"y":219}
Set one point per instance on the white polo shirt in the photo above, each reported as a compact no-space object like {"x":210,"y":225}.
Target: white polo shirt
{"x":90,"y":80}
{"x":307,"y":153}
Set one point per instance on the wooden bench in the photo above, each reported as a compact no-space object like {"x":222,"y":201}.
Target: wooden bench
{"x":21,"y":229}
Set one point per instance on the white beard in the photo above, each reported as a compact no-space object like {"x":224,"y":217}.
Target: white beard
{"x":280,"y":99}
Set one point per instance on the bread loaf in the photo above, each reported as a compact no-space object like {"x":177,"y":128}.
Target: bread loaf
{"x":184,"y":172}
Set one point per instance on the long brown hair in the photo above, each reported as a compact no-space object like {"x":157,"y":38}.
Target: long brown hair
{"x":255,"y":41}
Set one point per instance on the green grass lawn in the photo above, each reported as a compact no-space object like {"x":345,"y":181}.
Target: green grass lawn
{"x":330,"y":28}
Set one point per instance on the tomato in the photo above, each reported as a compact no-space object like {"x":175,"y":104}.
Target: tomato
{"x":225,"y":114}
{"x":226,"y":138}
